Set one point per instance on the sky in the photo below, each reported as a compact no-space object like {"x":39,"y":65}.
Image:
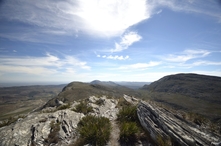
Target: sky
{"x":109,"y":40}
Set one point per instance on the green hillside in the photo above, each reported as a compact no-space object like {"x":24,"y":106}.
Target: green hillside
{"x":191,"y":92}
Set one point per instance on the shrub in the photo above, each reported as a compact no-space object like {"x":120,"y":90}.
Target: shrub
{"x":130,"y":128}
{"x":163,"y":142}
{"x":64,"y":106}
{"x":197,"y":118}
{"x":128,"y":113}
{"x":83,"y":108}
{"x":128,"y":131}
{"x":94,"y":130}
{"x":122,"y":102}
{"x":53,"y":136}
{"x":11,"y":120}
{"x":99,"y":102}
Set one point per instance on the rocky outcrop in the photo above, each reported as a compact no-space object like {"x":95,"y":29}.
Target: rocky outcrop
{"x":104,"y":107}
{"x":161,"y":123}
{"x":37,"y":128}
{"x":131,"y":99}
{"x":51,"y":126}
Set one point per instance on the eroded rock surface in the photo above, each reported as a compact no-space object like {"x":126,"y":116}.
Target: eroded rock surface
{"x":104,"y":107}
{"x":162,"y":123}
{"x":36,"y":127}
{"x":39,"y":128}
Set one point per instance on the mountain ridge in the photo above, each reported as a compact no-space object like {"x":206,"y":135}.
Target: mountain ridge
{"x":193,"y":85}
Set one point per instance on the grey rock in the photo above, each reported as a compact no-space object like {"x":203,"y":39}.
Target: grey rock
{"x":163,"y":123}
{"x":107,"y":109}
{"x":35,"y":128}
{"x":131,"y":100}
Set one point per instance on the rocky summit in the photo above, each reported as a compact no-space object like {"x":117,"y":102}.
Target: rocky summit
{"x":35,"y":129}
{"x":57,"y":125}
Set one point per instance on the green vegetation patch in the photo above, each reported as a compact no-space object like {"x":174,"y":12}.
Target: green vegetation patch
{"x":53,"y":136}
{"x":130,"y":128}
{"x":128,"y":131}
{"x":122,"y":102}
{"x":94,"y":130}
{"x":83,"y":108}
{"x":11,"y":120}
{"x":64,"y":106}
{"x":128,"y":114}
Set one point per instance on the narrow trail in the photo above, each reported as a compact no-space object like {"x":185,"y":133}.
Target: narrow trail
{"x":115,"y":134}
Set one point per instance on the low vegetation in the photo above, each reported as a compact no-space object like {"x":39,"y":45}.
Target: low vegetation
{"x":130,"y":128}
{"x":83,"y":108}
{"x":64,"y":106}
{"x":94,"y":130}
{"x":127,"y":114}
{"x":99,"y":102}
{"x":122,"y":102}
{"x":53,"y":136}
{"x":11,"y":120}
{"x":196,"y":118}
{"x":160,"y":141}
{"x":128,"y":131}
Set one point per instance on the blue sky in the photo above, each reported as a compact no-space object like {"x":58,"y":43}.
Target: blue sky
{"x":109,"y":40}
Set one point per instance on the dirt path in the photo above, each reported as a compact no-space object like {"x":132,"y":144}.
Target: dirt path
{"x":115,"y":134}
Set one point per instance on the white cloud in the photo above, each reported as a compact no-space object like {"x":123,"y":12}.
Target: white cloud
{"x":207,"y":7}
{"x":139,"y":65}
{"x":186,"y":55}
{"x":113,"y":16}
{"x":116,"y":57}
{"x":39,"y":65}
{"x":127,"y":40}
{"x":27,"y":70}
{"x":105,"y":18}
{"x":96,"y":17}
{"x":69,"y":60}
{"x":48,"y":60}
{"x":201,"y":63}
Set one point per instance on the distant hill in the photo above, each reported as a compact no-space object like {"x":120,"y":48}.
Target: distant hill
{"x":23,"y":99}
{"x":193,"y":85}
{"x":28,"y":92}
{"x":79,"y":90}
{"x":190,"y":92}
{"x":133,"y":85}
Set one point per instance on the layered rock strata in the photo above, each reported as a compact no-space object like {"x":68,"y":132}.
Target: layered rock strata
{"x":161,"y":123}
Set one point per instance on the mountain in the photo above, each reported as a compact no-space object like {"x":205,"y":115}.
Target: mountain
{"x":133,"y":85}
{"x":108,"y":113}
{"x":192,"y":93}
{"x":23,"y":99}
{"x":193,"y":85}
{"x":79,"y":90}
{"x":105,"y":120}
